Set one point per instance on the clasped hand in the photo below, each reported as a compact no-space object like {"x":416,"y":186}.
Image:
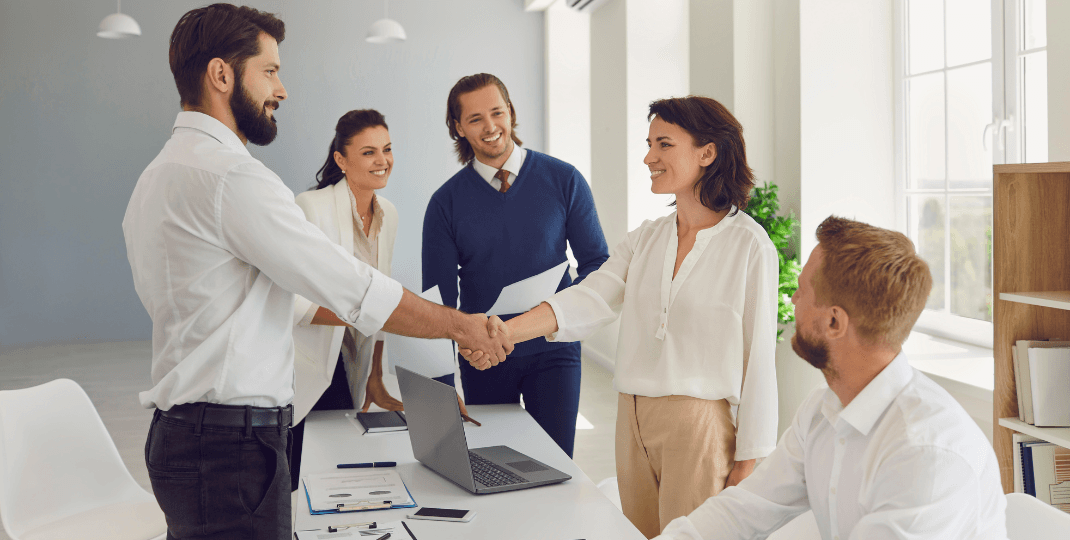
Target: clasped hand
{"x":485,"y":342}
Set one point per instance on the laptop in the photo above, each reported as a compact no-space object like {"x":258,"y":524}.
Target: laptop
{"x":436,"y":432}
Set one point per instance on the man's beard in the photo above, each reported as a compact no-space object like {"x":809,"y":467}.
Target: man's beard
{"x":251,"y":117}
{"x":813,"y":351}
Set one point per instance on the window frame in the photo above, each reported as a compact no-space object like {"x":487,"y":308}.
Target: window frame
{"x":1005,"y":26}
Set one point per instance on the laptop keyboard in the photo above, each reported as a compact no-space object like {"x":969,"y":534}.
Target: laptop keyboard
{"x":490,"y":474}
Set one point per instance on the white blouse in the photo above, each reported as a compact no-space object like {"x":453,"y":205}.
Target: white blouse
{"x":701,"y":334}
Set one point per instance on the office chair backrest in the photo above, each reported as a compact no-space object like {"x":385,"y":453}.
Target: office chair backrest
{"x":1029,"y":518}
{"x":56,"y":457}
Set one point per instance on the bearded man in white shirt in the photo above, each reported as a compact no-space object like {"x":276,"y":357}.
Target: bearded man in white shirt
{"x":218,"y":248}
{"x":883,"y":452}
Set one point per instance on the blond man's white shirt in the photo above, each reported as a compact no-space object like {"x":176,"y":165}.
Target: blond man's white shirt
{"x":902,"y":460}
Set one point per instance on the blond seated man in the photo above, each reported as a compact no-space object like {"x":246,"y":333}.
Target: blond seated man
{"x":882,"y":452}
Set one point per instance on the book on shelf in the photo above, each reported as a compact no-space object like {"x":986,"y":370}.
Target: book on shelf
{"x":1023,"y":375}
{"x":1018,"y":384}
{"x":1019,"y":461}
{"x":1042,"y":469}
{"x":1050,"y":381}
{"x":381,"y":422}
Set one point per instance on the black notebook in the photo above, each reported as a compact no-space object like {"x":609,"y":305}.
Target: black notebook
{"x":378,"y":422}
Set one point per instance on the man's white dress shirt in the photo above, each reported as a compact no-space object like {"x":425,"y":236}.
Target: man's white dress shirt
{"x":512,"y":166}
{"x":701,"y":334}
{"x":903,"y":460}
{"x":218,"y":248}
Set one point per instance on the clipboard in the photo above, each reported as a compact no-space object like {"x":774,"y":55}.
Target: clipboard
{"x":359,"y":502}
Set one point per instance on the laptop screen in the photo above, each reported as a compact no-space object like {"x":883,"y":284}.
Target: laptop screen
{"x":435,"y":426}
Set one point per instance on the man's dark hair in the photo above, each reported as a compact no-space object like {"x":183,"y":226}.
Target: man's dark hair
{"x":349,"y":125}
{"x":728,"y":180}
{"x":223,"y":31}
{"x":471,"y":83}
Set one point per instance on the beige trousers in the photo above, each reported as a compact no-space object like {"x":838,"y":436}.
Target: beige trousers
{"x":673,"y":453}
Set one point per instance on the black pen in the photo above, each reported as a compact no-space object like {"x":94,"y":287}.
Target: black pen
{"x":383,"y":537}
{"x":408,"y":530}
{"x":367,"y":465}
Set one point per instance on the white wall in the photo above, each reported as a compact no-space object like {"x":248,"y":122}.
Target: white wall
{"x":1058,"y":80}
{"x":754,"y":82}
{"x":712,"y":50}
{"x":846,"y":110}
{"x":82,"y":117}
{"x":658,"y":66}
{"x":568,"y":86}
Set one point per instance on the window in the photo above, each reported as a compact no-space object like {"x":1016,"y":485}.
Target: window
{"x":971,"y":92}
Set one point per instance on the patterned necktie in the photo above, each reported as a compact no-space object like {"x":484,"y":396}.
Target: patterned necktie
{"x":503,"y":175}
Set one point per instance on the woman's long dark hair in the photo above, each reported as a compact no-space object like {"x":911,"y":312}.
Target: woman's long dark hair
{"x":348,"y":126}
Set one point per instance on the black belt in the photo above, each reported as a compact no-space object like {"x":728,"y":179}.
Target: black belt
{"x":231,"y":415}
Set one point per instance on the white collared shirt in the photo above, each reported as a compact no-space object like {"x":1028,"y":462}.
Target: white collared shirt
{"x":218,"y":248}
{"x":902,"y":460}
{"x":512,"y":166}
{"x":701,"y":334}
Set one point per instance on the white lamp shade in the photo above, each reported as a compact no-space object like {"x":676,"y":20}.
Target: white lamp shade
{"x":117,"y":26}
{"x":385,"y":31}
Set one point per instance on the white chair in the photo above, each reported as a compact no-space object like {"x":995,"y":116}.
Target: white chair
{"x":609,"y":488}
{"x":61,"y":476}
{"x":1031,"y":519}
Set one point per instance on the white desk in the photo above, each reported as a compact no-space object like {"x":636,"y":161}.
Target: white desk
{"x":569,"y":511}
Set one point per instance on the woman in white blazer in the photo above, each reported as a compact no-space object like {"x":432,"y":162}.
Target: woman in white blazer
{"x":336,"y":366}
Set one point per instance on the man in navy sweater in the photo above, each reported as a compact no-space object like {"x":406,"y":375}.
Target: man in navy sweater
{"x":504,"y":217}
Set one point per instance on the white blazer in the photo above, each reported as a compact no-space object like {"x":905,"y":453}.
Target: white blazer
{"x":316,"y":346}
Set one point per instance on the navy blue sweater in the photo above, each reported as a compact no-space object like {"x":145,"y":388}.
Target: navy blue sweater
{"x":500,"y":238}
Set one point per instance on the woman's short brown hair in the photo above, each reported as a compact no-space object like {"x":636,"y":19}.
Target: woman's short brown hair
{"x":223,"y":31}
{"x":471,"y":83}
{"x":728,"y":180}
{"x":875,"y":275}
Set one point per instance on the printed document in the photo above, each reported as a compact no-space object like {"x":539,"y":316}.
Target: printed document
{"x":528,"y":293}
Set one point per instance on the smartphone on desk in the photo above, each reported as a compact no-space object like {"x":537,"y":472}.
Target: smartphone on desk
{"x":444,"y":514}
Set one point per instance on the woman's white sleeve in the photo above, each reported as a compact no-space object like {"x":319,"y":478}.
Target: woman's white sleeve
{"x":758,"y":410}
{"x":596,"y":301}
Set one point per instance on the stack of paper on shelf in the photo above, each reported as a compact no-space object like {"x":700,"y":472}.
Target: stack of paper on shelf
{"x":1041,"y":379}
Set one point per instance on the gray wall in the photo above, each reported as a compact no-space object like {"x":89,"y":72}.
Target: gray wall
{"x":81,"y":116}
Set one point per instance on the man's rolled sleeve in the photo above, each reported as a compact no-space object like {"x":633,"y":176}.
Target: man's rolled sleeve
{"x":382,"y":298}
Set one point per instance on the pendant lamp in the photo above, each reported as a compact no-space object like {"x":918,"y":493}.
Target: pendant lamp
{"x":385,"y":30}
{"x":118,"y":26}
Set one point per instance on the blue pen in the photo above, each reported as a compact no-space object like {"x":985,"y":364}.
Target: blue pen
{"x":367,"y":465}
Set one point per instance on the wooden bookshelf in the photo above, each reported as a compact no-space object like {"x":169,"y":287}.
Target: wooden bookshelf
{"x":1031,"y":275}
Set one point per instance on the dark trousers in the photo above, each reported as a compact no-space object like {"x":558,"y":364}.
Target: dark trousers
{"x":220,"y":482}
{"x":549,"y":382}
{"x":337,"y":397}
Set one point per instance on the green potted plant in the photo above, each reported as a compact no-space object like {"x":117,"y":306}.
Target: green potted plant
{"x":763,"y":207}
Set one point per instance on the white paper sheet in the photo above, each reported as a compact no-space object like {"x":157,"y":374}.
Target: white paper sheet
{"x":428,"y":357}
{"x":528,"y":293}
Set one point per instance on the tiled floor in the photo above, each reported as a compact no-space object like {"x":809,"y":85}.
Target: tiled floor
{"x":112,"y":374}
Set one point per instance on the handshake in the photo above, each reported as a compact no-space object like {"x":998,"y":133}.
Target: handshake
{"x":483,"y":341}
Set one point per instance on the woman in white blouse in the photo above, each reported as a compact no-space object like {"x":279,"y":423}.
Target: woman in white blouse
{"x":336,"y":366}
{"x":696,"y":292}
